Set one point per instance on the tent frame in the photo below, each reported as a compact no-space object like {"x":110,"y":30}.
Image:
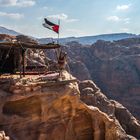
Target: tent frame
{"x":22,"y":47}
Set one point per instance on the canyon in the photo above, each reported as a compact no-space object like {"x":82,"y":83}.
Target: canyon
{"x":77,"y":110}
{"x":34,"y":111}
{"x":113,"y":66}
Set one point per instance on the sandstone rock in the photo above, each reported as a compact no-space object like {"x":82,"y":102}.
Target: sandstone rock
{"x":3,"y":137}
{"x":56,"y":113}
{"x":6,"y":38}
{"x":126,"y":119}
{"x":26,"y":39}
{"x":113,"y":66}
{"x":34,"y":57}
{"x":81,"y":70}
{"x":115,"y":110}
{"x":88,"y":83}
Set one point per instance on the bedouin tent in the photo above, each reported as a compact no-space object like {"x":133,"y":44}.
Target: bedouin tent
{"x":12,"y":54}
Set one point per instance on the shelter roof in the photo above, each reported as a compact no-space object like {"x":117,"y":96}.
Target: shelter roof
{"x":17,"y":45}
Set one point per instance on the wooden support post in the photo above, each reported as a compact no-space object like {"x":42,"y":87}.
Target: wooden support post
{"x":23,"y":62}
{"x":19,"y":63}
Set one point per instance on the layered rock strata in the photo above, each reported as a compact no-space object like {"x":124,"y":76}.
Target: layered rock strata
{"x":54,"y":113}
{"x":113,"y":66}
{"x":91,"y":95}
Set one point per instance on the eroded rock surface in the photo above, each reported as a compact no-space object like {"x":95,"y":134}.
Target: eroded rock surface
{"x":92,"y":95}
{"x":55,"y":113}
{"x":3,"y":136}
{"x":113,"y":66}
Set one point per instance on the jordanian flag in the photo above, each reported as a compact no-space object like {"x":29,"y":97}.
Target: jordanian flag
{"x":51,"y":26}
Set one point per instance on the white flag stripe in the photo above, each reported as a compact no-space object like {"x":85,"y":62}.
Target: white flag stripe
{"x":47,"y":26}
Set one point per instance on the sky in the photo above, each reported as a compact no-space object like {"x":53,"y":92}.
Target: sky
{"x":77,"y":17}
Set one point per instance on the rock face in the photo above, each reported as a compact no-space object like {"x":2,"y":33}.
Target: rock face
{"x":5,"y":37}
{"x":81,"y":70}
{"x":113,"y":66}
{"x":91,"y":95}
{"x":54,"y":113}
{"x":23,"y":38}
{"x":3,"y":137}
{"x":34,"y":111}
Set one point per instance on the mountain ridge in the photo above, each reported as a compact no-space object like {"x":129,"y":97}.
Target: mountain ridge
{"x":4,"y":30}
{"x":88,"y":40}
{"x":82,"y":40}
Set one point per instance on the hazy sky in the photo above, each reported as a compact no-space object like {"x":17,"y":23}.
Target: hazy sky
{"x":78,"y":17}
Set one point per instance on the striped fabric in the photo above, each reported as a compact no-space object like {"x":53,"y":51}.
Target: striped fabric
{"x":51,"y":26}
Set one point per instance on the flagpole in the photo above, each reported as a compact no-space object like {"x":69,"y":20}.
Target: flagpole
{"x":55,"y":28}
{"x":58,"y":51}
{"x":59,"y":31}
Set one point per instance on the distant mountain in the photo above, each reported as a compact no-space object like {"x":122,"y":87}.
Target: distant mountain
{"x":106,"y":37}
{"x":4,"y":30}
{"x":91,"y":39}
{"x":83,"y":40}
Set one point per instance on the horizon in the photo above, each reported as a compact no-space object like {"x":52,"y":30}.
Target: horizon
{"x":76,"y":19}
{"x":77,"y":36}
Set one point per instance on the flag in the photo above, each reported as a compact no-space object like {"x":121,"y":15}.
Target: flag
{"x":51,"y":26}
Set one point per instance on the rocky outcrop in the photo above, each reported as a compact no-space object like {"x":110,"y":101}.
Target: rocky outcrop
{"x":113,"y":66}
{"x":53,"y":112}
{"x":91,"y":95}
{"x":35,"y":111}
{"x":81,"y":70}
{"x":3,"y":137}
{"x":5,"y":37}
{"x":23,"y":38}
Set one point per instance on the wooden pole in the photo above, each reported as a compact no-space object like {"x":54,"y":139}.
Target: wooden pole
{"x":20,"y":62}
{"x":58,"y":50}
{"x":23,"y":62}
{"x":58,"y":31}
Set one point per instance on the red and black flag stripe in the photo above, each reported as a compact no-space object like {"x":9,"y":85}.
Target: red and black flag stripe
{"x":51,"y":25}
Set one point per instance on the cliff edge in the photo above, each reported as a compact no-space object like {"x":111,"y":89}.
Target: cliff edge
{"x":36,"y":111}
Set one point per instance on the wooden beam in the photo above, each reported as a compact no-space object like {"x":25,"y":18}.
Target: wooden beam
{"x":28,"y":45}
